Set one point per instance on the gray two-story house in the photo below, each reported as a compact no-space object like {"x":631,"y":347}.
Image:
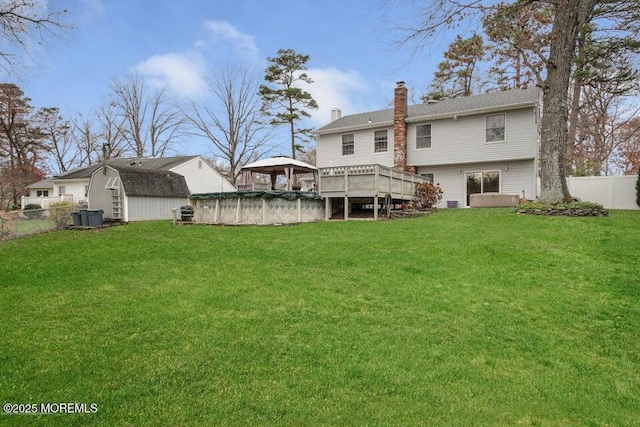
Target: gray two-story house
{"x":478,"y":144}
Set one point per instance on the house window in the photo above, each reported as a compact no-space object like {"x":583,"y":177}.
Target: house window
{"x":61,"y":190}
{"x":429,"y":177}
{"x":496,"y":128}
{"x":42,"y":193}
{"x":380,"y":141}
{"x":423,"y":136}
{"x":199,"y":164}
{"x":86,"y":191}
{"x":347,"y":145}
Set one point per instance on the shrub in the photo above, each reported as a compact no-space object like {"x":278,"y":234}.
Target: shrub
{"x":15,"y":207}
{"x":563,"y":209}
{"x":427,"y":195}
{"x":33,"y":211}
{"x":60,"y":213}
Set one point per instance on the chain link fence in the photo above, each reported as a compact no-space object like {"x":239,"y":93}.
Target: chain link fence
{"x":16,"y":224}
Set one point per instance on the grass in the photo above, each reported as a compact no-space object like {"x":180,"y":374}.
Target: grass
{"x":463,"y":317}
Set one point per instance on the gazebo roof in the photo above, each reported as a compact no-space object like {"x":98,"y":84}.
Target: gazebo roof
{"x":278,"y":165}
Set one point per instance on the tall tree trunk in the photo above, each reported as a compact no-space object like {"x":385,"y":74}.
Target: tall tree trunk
{"x":570,"y":16}
{"x":574,"y":109}
{"x":293,"y":140}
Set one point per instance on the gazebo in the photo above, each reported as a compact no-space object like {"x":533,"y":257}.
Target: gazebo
{"x":273,"y":167}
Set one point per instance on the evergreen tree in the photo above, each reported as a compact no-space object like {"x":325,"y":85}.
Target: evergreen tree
{"x":285,"y":102}
{"x":455,"y":75}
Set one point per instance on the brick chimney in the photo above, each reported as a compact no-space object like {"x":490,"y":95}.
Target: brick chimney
{"x":400,"y":127}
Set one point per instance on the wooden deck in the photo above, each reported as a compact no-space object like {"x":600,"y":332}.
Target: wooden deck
{"x":368,"y":181}
{"x":371,"y":184}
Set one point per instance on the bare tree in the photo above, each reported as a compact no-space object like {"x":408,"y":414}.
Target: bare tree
{"x":152,"y":121}
{"x":627,"y":156}
{"x":111,"y":131}
{"x":63,"y":153}
{"x":23,"y":23}
{"x":607,"y":123}
{"x":234,"y":127}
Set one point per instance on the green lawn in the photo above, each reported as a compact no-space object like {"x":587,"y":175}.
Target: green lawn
{"x":463,"y":317}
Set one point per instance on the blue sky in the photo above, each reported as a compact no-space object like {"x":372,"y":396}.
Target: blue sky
{"x":354,"y":61}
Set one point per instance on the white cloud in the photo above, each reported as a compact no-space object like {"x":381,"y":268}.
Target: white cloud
{"x":183,"y":73}
{"x":332,"y":88}
{"x":93,"y":7}
{"x":241,"y":43}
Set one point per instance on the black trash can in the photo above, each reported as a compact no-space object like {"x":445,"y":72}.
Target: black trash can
{"x":186,"y":213}
{"x":94,"y":217}
{"x":77,"y":222}
{"x":84,"y":220}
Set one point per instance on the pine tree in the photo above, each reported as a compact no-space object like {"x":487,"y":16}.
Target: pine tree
{"x":285,"y":102}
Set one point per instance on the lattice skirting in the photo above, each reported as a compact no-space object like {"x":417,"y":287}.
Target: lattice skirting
{"x":258,"y":211}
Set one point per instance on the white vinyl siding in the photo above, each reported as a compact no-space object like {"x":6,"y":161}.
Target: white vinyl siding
{"x":202,"y":178}
{"x":151,"y":208}
{"x":99,"y":197}
{"x":452,"y":178}
{"x":329,"y":151}
{"x":463,"y":140}
{"x":73,"y":187}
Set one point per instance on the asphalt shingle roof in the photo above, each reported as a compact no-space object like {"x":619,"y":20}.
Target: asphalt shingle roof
{"x":149,"y":163}
{"x":143,"y":182}
{"x":509,"y":99}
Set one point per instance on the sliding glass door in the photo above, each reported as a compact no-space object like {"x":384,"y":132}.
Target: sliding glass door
{"x":482,"y":182}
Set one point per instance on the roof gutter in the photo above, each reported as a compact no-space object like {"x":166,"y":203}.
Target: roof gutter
{"x":375,"y":125}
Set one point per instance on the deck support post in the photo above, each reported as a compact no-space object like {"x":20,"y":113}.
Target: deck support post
{"x":299,"y":208}
{"x":238,"y":207}
{"x":216,"y":215}
{"x":346,"y":208}
{"x":327,"y":208}
{"x":375,"y":207}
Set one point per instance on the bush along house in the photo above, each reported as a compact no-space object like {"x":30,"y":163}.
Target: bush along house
{"x":482,"y":150}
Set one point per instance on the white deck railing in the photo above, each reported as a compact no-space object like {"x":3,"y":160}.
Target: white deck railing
{"x":367,"y":181}
{"x":254,"y":186}
{"x":44,"y":202}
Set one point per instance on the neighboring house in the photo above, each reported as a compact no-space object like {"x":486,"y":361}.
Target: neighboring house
{"x":40,"y":189}
{"x":57,"y":189}
{"x":74,"y":184}
{"x":130,"y":193}
{"x":477,"y":144}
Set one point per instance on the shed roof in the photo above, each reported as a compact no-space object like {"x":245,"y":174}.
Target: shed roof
{"x":152,"y":183}
{"x":509,"y":99}
{"x":152,"y":163}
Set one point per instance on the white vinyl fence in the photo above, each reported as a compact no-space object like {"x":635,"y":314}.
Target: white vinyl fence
{"x":612,"y":192}
{"x":44,"y":202}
